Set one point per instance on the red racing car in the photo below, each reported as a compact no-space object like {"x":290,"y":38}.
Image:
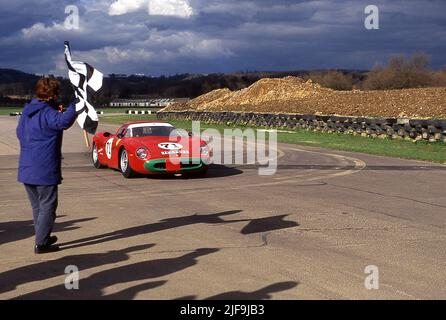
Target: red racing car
{"x":150,"y":147}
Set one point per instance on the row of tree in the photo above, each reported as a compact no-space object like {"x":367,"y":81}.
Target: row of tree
{"x":400,"y":73}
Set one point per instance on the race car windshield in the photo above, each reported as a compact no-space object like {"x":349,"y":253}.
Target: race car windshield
{"x":158,"y":131}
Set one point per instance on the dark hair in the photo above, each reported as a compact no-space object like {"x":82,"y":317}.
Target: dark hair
{"x":47,"y":89}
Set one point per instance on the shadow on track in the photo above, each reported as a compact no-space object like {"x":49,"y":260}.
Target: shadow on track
{"x":254,"y":226}
{"x":215,"y":171}
{"x":18,"y":230}
{"x":261,"y":294}
{"x":93,"y":286}
{"x":164,"y":224}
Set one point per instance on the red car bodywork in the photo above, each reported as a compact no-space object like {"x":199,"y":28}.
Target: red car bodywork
{"x":192,"y":157}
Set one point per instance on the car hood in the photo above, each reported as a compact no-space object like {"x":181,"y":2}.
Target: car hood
{"x":159,"y":146}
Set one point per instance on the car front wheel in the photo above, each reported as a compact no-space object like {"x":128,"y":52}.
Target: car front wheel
{"x":124,"y":164}
{"x":95,"y":157}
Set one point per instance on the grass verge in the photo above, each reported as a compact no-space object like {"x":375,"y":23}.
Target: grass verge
{"x":5,"y":111}
{"x":422,"y":150}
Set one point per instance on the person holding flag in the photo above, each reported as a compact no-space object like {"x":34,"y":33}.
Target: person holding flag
{"x":40,"y":131}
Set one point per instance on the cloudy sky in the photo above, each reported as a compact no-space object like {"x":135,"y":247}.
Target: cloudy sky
{"x":203,"y":36}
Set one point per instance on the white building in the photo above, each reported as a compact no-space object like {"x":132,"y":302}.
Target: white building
{"x":144,"y":103}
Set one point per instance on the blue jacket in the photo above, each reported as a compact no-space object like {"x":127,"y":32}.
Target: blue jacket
{"x":40,"y":131}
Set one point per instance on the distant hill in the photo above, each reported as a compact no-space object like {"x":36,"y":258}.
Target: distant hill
{"x":11,"y":76}
{"x":16,"y":84}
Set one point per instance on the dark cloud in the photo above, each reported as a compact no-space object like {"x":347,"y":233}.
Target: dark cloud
{"x":220,"y":36}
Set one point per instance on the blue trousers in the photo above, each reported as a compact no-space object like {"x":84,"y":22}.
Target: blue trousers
{"x":44,"y":205}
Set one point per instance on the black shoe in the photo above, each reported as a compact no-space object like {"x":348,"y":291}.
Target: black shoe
{"x":51,"y":240}
{"x":45,"y":249}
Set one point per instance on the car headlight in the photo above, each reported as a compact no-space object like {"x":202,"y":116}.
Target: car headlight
{"x":142,"y":153}
{"x":204,"y":150}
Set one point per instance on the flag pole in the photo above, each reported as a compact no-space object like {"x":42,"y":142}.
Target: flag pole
{"x":87,"y":141}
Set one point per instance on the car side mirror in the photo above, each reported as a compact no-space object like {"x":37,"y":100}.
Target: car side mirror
{"x":190,"y":134}
{"x":120,"y":136}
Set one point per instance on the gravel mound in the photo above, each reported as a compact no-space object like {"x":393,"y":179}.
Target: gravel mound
{"x":294,"y":95}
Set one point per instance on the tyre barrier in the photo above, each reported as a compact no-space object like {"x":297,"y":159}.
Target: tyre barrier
{"x":431,"y":130}
{"x":138,"y":112}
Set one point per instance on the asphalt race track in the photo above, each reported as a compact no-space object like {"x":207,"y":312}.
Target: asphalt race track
{"x":307,"y":232}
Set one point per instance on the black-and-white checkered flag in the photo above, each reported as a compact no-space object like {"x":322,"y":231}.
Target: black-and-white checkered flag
{"x":82,"y":76}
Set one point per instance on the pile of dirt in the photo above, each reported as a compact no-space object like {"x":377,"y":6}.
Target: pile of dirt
{"x":280,"y":90}
{"x":205,"y":101}
{"x":294,"y":95}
